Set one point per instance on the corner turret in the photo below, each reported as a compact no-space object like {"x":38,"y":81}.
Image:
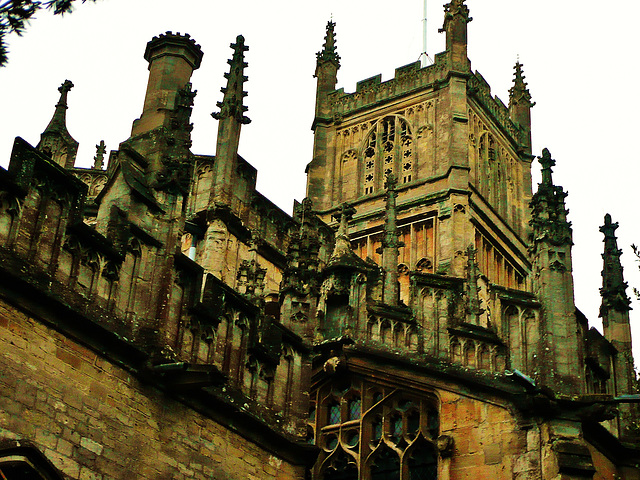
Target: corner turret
{"x":520,"y":105}
{"x":162,"y":134}
{"x":172,"y":59}
{"x":327,"y":65}
{"x":456,"y":17}
{"x":231,"y":118}
{"x":56,"y":140}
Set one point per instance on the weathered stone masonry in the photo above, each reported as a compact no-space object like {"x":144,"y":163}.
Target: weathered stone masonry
{"x":413,"y":319}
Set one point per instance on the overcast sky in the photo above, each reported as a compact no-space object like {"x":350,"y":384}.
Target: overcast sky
{"x":580,"y":60}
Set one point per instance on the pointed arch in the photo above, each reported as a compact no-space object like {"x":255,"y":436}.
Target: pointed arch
{"x":340,"y":466}
{"x":422,"y":463}
{"x":384,"y":464}
{"x":387,"y":148}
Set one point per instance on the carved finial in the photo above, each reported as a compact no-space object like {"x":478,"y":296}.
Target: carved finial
{"x":343,"y":255}
{"x":453,"y":9}
{"x":58,"y":122}
{"x":345,"y":214}
{"x":614,"y":288}
{"x":390,"y":183}
{"x":609,"y":228}
{"x":519,"y":93}
{"x":329,"y":52}
{"x":548,"y":212}
{"x":56,"y":140}
{"x":232,"y":105}
{"x":547,"y":162}
{"x":98,"y":160}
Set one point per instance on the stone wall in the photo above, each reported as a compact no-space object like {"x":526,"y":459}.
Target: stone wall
{"x":488,"y":442}
{"x":95,"y":420}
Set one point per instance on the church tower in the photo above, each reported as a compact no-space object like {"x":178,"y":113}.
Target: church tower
{"x":463,"y":167}
{"x":464,"y":272}
{"x":413,"y":319}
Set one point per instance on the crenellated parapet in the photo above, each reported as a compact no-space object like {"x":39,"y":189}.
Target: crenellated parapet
{"x":479,"y":90}
{"x":372,"y":91}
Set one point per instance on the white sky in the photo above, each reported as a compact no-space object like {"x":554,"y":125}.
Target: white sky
{"x":580,"y":60}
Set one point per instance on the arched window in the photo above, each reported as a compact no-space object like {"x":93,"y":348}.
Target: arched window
{"x":333,"y":413}
{"x":374,"y":431}
{"x":355,"y":405}
{"x":25,"y":463}
{"x":385,"y":465}
{"x":423,"y":463}
{"x":341,"y":467}
{"x":387,"y":149}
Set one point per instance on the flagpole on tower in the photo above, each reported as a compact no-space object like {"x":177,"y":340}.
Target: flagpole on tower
{"x":424,"y":56}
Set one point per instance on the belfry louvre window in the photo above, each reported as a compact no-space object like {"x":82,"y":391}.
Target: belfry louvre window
{"x":387,"y":149}
{"x":381,"y":433}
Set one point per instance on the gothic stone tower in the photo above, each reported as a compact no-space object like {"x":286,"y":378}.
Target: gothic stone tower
{"x":413,"y":319}
{"x":464,"y":274}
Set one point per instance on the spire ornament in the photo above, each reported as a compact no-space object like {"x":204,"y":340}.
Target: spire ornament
{"x":546,"y":162}
{"x":519,"y":93}
{"x":230,"y":120}
{"x":232,"y":105}
{"x":453,"y":9}
{"x":329,"y":52}
{"x":548,"y":212}
{"x":343,"y":245}
{"x":614,"y":288}
{"x":98,"y":160}
{"x":56,"y":140}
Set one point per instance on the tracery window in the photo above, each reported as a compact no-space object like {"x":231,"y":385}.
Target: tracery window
{"x":387,"y":149}
{"x":383,"y":433}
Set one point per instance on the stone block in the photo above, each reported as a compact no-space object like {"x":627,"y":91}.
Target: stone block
{"x":91,"y":445}
{"x":492,"y":454}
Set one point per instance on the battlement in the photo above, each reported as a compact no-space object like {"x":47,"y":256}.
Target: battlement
{"x":479,"y":89}
{"x":370,"y":91}
{"x":170,"y":43}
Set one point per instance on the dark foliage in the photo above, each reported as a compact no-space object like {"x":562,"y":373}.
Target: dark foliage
{"x":15,"y":16}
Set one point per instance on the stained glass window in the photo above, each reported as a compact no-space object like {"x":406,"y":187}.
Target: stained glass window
{"x":354,"y":408}
{"x":386,"y":465}
{"x":423,"y":464}
{"x":334,"y":413}
{"x":396,"y":428}
{"x":377,"y":429}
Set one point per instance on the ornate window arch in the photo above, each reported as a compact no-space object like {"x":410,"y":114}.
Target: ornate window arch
{"x":395,"y":435}
{"x":388,"y":148}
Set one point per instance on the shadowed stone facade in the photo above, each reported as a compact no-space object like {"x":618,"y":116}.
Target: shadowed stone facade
{"x":413,"y":318}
